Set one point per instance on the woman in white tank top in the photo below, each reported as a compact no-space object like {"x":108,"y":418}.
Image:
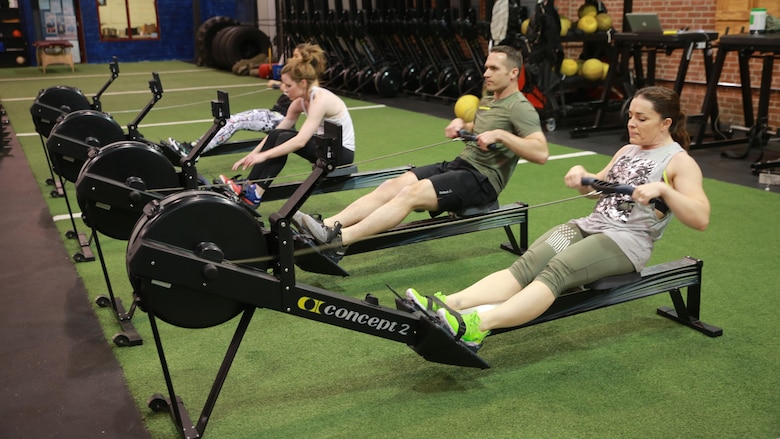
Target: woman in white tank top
{"x":300,"y":81}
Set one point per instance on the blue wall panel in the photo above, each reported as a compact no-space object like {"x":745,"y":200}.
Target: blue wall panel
{"x":177,"y":32}
{"x":175,"y":21}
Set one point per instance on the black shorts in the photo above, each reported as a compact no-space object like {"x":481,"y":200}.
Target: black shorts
{"x":458,"y":185}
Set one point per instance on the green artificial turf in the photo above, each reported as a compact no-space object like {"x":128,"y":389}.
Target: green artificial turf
{"x":618,"y":372}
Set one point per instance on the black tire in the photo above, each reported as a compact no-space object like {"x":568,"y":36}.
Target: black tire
{"x":205,"y":34}
{"x":240,"y":42}
{"x":217,"y":48}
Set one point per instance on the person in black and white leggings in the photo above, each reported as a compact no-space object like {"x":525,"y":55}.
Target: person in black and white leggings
{"x":261,"y":120}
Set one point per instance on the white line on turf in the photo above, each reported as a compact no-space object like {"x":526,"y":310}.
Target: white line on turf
{"x":563,"y":156}
{"x":101,"y":75}
{"x":137,"y":92}
{"x":187,"y":122}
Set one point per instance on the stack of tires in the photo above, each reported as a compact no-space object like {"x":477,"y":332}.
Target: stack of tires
{"x":221,"y":42}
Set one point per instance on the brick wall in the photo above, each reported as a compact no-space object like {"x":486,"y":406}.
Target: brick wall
{"x":696,"y":14}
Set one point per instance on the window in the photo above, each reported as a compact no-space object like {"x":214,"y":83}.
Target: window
{"x":128,"y":20}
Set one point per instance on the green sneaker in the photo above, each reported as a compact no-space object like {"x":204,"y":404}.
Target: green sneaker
{"x":425,"y":302}
{"x":472,"y":336}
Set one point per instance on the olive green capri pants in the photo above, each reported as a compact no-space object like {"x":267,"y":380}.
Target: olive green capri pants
{"x":565,"y":257}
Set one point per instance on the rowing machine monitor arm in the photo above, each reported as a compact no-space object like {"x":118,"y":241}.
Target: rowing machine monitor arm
{"x":157,"y":90}
{"x":114,"y":68}
{"x":220,"y":110}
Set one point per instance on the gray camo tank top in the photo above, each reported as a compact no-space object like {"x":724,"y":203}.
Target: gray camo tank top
{"x":632,"y":226}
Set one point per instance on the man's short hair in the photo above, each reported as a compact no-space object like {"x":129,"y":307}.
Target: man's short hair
{"x":513,"y":56}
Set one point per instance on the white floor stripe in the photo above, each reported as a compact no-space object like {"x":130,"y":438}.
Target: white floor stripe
{"x":101,"y":75}
{"x":187,"y":122}
{"x":76,"y":215}
{"x":555,"y":157}
{"x":166,"y":90}
{"x":563,"y":156}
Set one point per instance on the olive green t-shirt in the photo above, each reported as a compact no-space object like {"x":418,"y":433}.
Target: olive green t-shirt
{"x":514,"y":114}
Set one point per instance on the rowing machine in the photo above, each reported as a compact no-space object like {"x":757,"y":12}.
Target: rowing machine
{"x":472,"y":219}
{"x":341,"y":179}
{"x":118,"y":180}
{"x":347,"y":178}
{"x":114,"y":184}
{"x":54,"y":102}
{"x":669,"y":277}
{"x":198,"y":274}
{"x":50,"y":108}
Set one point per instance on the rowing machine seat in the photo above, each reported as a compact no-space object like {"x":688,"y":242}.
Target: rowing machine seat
{"x":618,"y":280}
{"x":476,"y":210}
{"x":468,"y":211}
{"x":343,"y":171}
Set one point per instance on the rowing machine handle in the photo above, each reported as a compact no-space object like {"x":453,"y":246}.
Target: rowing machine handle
{"x":466,"y":135}
{"x":626,"y":189}
{"x":607,"y":187}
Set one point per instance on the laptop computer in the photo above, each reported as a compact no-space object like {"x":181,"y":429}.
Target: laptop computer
{"x":644,"y":23}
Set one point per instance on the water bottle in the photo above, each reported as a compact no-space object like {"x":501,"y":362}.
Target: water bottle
{"x":757,"y":20}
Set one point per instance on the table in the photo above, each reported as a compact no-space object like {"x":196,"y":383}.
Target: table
{"x":632,"y":45}
{"x":745,"y":45}
{"x":50,"y":52}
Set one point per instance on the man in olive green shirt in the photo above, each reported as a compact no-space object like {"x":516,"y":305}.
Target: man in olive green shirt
{"x":507,"y":128}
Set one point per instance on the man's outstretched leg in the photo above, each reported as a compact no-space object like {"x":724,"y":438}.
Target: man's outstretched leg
{"x":378,"y":211}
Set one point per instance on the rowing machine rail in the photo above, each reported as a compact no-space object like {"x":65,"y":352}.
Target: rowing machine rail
{"x":669,"y":277}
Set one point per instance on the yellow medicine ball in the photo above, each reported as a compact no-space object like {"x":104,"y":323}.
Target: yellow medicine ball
{"x":586,"y":10}
{"x":565,"y":26}
{"x":604,"y":21}
{"x":588,"y":24}
{"x":569,"y":67}
{"x":466,"y":107}
{"x":592,"y":69}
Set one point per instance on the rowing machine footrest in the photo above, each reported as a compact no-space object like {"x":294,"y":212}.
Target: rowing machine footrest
{"x":435,"y":343}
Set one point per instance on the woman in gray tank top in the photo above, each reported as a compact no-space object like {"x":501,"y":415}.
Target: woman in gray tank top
{"x":616,"y":238}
